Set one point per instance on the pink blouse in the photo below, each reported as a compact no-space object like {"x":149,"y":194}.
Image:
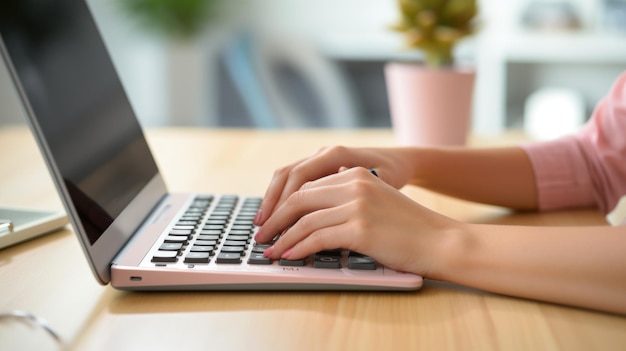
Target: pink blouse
{"x":587,"y":169}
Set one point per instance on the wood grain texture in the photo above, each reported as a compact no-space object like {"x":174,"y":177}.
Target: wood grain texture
{"x":50,"y":278}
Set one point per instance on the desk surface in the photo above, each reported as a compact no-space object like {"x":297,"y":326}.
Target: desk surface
{"x":49,"y":276}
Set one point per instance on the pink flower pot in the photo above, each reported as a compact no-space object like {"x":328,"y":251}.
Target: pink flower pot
{"x":429,"y":107}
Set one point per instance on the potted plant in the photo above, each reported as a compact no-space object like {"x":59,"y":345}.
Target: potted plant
{"x":430,"y":102}
{"x":181,"y":28}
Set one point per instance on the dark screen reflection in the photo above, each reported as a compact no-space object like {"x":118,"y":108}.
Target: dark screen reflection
{"x":80,"y":105}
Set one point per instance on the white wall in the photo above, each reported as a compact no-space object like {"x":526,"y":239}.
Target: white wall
{"x":341,"y":28}
{"x":324,"y":20}
{"x":10,"y":108}
{"x":139,"y":60}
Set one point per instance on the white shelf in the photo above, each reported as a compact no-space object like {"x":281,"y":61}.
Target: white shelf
{"x":374,"y":47}
{"x":571,"y":47}
{"x":382,"y":47}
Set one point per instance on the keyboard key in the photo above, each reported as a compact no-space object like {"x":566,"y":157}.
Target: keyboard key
{"x":213,"y":227}
{"x":221,"y":213}
{"x":205,"y":243}
{"x":175,"y":239}
{"x":204,"y":197}
{"x":237,"y":237}
{"x":196,"y":216}
{"x":165,"y":256}
{"x":256,"y":258}
{"x":334,"y":252}
{"x":221,"y":222}
{"x":246,"y":232}
{"x":184,"y":223}
{"x":248,"y":227}
{"x":242,"y":244}
{"x":326,"y":261}
{"x":197,"y":257}
{"x":260,"y":248}
{"x":208,"y":237}
{"x":233,"y":249}
{"x":361,"y":263}
{"x":209,"y":249}
{"x":227,"y":257}
{"x":212,"y":232}
{"x":247,"y":213}
{"x":214,"y":216}
{"x":180,"y":232}
{"x":183,"y":227}
{"x":171,"y":247}
{"x":292,"y":263}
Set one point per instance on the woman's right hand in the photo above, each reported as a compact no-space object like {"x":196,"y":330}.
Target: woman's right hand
{"x":354,"y":210}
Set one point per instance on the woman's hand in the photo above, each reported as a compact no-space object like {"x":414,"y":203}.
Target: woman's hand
{"x":393,"y":165}
{"x":355,"y":210}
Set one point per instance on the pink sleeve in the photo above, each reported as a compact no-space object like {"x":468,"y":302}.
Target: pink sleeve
{"x":589,"y":168}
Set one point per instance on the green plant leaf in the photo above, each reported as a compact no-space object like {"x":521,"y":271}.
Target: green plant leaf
{"x":174,"y":18}
{"x":436,"y":26}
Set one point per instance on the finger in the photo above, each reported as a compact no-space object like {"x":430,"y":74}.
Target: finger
{"x":289,"y":179}
{"x":327,"y":238}
{"x":306,"y":200}
{"x":311,"y":169}
{"x":325,"y":162}
{"x":273,"y":192}
{"x":373,"y":171}
{"x":331,"y":191}
{"x":307,"y":225}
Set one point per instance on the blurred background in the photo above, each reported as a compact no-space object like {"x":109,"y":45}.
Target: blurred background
{"x":319,"y":63}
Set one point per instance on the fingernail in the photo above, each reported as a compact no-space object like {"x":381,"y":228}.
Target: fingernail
{"x":286,"y":254}
{"x":268,"y":252}
{"x":258,"y":234}
{"x":257,"y":217}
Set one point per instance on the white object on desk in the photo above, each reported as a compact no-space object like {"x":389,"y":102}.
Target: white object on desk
{"x":553,"y":112}
{"x":28,"y":223}
{"x":618,"y":215}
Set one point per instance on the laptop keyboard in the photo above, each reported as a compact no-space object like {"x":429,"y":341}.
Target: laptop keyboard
{"x":223,"y":235}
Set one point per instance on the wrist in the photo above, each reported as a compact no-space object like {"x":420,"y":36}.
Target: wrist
{"x":452,"y":251}
{"x":423,"y":161}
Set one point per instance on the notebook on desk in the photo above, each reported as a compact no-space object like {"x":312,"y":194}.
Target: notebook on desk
{"x":135,"y":234}
{"x":19,"y":224}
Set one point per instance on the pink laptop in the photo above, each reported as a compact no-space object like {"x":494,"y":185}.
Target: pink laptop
{"x":136,"y":235}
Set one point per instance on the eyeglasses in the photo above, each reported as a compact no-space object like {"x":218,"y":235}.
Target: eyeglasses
{"x":36,"y":321}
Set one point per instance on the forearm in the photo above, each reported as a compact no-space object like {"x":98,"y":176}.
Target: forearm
{"x":579,"y":266}
{"x":502,"y":176}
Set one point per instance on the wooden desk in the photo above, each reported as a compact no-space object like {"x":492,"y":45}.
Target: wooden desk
{"x":50,"y":277}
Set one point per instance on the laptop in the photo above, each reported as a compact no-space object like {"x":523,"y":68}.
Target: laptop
{"x":134,"y":233}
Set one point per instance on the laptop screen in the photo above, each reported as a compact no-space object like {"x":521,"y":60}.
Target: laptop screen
{"x":79,"y":103}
